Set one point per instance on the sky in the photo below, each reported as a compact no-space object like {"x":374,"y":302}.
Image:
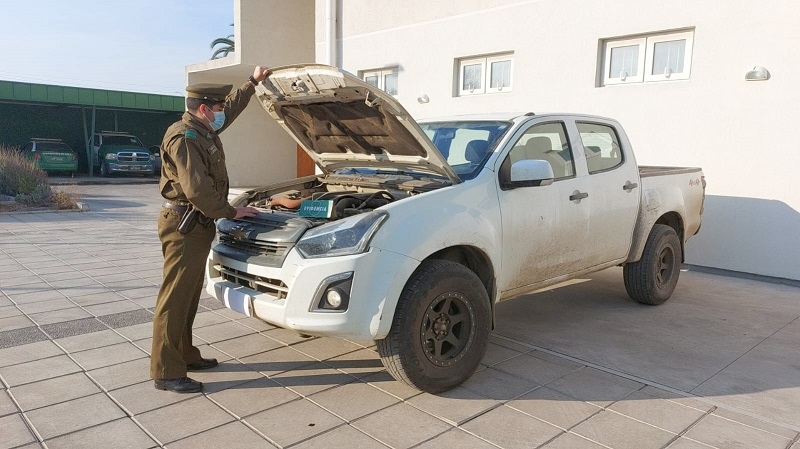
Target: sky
{"x":135,"y":45}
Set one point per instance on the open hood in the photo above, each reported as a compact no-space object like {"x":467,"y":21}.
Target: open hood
{"x":341,"y":121}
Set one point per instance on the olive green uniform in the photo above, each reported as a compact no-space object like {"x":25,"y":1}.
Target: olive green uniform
{"x":193,"y":171}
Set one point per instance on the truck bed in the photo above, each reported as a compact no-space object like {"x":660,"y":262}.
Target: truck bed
{"x":654,"y":170}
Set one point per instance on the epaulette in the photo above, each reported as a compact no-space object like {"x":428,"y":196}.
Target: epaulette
{"x":190,"y":134}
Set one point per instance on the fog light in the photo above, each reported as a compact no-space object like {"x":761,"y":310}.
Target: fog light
{"x":333,"y":298}
{"x":333,"y":294}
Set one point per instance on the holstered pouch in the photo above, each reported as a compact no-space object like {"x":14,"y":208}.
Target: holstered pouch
{"x":188,"y":220}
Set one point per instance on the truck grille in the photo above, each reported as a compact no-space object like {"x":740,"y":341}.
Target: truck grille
{"x":272,"y":287}
{"x":256,"y":247}
{"x":264,"y":240}
{"x":133,"y":156}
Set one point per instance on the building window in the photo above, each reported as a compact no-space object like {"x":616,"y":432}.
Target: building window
{"x":654,"y":57}
{"x":385,"y":79}
{"x":485,"y":74}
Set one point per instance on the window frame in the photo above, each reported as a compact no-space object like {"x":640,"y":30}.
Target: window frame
{"x":688,"y":36}
{"x":381,"y":74}
{"x":641,"y":42}
{"x":499,"y":58}
{"x":485,"y":63}
{"x":462,"y":63}
{"x":646,"y":44}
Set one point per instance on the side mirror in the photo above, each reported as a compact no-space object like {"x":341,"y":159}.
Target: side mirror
{"x":530,"y":173}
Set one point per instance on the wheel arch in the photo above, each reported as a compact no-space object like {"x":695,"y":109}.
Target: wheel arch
{"x":674,"y":221}
{"x":477,"y":261}
{"x":644,"y":226}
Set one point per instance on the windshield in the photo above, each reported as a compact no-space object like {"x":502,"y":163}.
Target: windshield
{"x":465,"y":144}
{"x":121,"y":140}
{"x":55,"y":147}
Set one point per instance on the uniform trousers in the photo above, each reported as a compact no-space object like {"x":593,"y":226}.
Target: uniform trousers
{"x":185,"y":259}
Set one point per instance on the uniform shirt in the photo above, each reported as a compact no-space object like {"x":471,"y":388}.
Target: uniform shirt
{"x":193,"y":162}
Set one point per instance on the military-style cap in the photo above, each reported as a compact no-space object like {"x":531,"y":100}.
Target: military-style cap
{"x":208,"y":91}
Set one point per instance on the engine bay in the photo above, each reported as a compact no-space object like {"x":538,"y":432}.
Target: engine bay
{"x":351,"y":194}
{"x":345,"y":203}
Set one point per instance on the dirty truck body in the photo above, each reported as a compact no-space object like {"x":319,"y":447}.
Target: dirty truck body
{"x":414,"y":231}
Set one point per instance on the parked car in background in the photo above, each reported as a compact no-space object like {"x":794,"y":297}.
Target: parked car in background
{"x":120,"y":152}
{"x":155,"y":150}
{"x":51,"y":155}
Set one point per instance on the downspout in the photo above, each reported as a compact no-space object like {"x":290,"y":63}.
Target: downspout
{"x":331,"y":33}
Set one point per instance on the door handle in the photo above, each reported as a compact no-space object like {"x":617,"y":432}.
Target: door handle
{"x":578,"y":195}
{"x":629,"y":186}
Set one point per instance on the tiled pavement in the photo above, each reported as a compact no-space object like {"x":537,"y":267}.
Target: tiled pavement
{"x":576,"y":367}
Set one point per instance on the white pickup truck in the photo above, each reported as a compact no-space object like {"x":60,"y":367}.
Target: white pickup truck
{"x":414,"y":231}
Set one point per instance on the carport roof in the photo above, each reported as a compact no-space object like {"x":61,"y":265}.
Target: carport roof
{"x":81,"y":96}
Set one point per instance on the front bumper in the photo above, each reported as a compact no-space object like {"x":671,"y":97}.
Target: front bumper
{"x":122,"y":168}
{"x":292,"y":291}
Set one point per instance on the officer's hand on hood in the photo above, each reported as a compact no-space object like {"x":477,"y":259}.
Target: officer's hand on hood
{"x":261,"y":73}
{"x":242,"y":212}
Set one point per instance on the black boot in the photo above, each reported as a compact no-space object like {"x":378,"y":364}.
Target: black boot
{"x":179,"y":385}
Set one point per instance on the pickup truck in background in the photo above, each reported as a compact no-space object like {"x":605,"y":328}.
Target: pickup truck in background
{"x":119,"y":152}
{"x":414,"y":231}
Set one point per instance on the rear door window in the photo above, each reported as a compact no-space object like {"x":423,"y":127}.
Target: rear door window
{"x":600,"y":146}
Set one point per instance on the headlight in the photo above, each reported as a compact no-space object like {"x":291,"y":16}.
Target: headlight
{"x":152,"y":157}
{"x":111,"y":157}
{"x":341,"y":238}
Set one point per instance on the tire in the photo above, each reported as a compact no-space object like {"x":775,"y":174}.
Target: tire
{"x":104,"y":170}
{"x":440,"y":329}
{"x":653,"y":278}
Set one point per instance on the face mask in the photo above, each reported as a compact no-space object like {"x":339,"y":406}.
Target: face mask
{"x":219,"y":120}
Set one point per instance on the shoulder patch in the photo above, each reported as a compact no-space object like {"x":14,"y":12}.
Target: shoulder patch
{"x":190,"y":134}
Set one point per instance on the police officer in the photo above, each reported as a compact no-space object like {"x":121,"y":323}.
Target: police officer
{"x":193,"y":175}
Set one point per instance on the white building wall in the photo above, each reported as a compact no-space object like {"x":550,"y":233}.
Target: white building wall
{"x":266,"y":32}
{"x":738,"y":131}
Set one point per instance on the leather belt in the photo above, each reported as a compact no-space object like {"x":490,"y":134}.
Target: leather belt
{"x":176,"y":207}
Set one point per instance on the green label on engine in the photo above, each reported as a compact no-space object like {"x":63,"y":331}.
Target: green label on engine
{"x":316,"y":208}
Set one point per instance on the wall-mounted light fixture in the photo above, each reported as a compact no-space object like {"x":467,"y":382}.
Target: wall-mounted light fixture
{"x":757,"y":74}
{"x":422,"y":99}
